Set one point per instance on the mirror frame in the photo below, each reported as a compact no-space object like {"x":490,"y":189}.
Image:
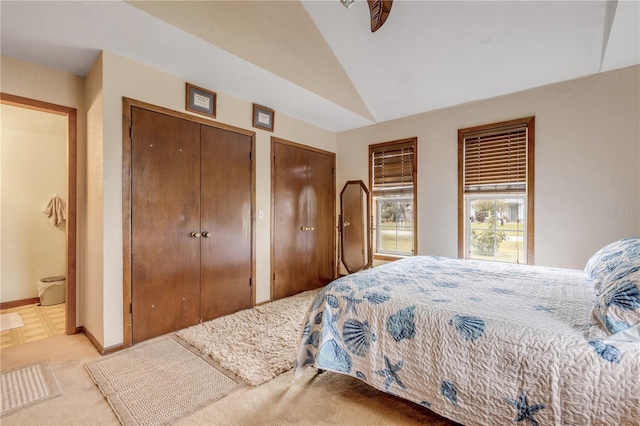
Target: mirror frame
{"x":367,"y":227}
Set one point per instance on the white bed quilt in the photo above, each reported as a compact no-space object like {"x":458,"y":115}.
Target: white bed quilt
{"x":480,"y":343}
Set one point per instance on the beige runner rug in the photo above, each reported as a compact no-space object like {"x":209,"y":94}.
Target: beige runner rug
{"x":24,"y":386}
{"x":255,"y":344}
{"x":159,"y":382}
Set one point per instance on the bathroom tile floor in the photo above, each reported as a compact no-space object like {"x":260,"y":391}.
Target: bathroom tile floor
{"x":40,"y":322}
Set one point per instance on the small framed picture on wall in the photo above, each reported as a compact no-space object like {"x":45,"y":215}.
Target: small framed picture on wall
{"x":263,"y":117}
{"x":201,"y":101}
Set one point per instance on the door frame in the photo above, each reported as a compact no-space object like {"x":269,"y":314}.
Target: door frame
{"x":275,"y":140}
{"x":127,"y":105}
{"x":72,"y":184}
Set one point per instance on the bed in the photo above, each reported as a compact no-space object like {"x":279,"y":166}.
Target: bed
{"x":486,"y":343}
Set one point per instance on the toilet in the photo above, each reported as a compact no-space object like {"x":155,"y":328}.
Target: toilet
{"x":51,"y":290}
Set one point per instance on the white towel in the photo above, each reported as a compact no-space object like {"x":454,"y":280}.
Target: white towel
{"x":56,"y":210}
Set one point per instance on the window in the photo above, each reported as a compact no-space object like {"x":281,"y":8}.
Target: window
{"x":392,"y":179}
{"x":495,"y":191}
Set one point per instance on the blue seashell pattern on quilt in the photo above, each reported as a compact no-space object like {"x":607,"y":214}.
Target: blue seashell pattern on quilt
{"x":464,"y":337}
{"x":607,"y":352}
{"x":449,"y":391}
{"x":611,"y":256}
{"x":358,"y":337}
{"x":401,"y":325}
{"x":617,"y":304}
{"x":470,"y":328}
{"x":333,"y":357}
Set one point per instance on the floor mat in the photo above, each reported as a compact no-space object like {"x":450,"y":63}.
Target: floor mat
{"x":159,"y":382}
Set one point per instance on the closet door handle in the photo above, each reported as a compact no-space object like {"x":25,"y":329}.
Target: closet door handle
{"x":206,"y":234}
{"x":195,"y":234}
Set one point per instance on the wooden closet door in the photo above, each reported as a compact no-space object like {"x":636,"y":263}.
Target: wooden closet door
{"x":165,"y":209}
{"x":226,"y":215}
{"x":303,"y":226}
{"x":321,"y":200}
{"x":289,"y":216}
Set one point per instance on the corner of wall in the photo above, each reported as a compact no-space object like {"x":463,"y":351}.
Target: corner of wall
{"x":33,"y":81}
{"x":92,"y":225}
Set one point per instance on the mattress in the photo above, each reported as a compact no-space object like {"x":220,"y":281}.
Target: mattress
{"x":477,"y":342}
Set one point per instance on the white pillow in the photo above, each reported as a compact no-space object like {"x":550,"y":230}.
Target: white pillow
{"x":609,"y":257}
{"x":617,"y":305}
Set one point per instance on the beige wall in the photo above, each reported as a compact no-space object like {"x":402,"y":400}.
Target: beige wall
{"x":61,"y":88}
{"x":93,"y":297}
{"x":577,"y":201}
{"x":124,"y":78}
{"x":99,"y":261}
{"x":587,"y":152}
{"x":33,"y":169}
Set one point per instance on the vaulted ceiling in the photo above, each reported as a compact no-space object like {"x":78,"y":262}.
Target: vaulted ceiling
{"x":319,"y":62}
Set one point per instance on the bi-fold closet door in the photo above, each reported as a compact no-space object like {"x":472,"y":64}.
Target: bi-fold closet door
{"x":191,"y":223}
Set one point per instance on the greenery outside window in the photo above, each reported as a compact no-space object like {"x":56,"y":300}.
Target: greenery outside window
{"x":495,"y":196}
{"x":392,"y":178}
{"x":496,"y":228}
{"x":394,"y":223}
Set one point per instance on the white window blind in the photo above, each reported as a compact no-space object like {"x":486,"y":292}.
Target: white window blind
{"x":393,"y":169}
{"x":495,"y":160}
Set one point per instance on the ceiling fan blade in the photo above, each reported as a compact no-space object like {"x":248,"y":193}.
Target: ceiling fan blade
{"x":379,"y":10}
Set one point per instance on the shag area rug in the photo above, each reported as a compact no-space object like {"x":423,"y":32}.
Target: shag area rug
{"x":24,"y":386}
{"x":159,"y":382}
{"x":255,"y":344}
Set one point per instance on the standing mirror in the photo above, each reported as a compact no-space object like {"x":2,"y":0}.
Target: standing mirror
{"x":355,"y":230}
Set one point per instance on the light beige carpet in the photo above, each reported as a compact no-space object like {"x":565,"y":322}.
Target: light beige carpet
{"x":158,"y":382}
{"x":255,"y":344}
{"x":27,"y":385}
{"x":329,"y":399}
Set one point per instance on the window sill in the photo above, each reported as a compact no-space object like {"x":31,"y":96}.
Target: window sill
{"x":390,"y":257}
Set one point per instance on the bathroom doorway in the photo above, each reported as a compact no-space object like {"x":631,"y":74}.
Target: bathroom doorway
{"x":64,"y":121}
